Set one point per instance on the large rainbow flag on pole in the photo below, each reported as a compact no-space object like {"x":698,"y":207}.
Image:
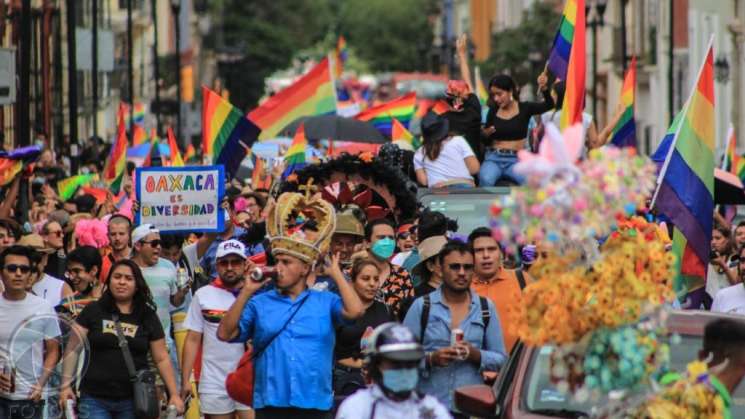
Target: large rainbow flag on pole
{"x":312,"y":94}
{"x":295,"y":156}
{"x":227,"y":134}
{"x":558,"y":59}
{"x":685,"y":186}
{"x":401,"y":108}
{"x":574,"y":97}
{"x":114,"y":169}
{"x":624,"y":133}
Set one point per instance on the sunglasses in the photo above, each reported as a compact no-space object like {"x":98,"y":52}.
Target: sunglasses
{"x":468,"y":267}
{"x":224,"y":263}
{"x":153,"y":243}
{"x":404,"y":236}
{"x":24,"y":269}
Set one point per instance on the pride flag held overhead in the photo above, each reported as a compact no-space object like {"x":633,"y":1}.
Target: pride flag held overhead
{"x":481,"y":92}
{"x":9,"y":168}
{"x":191,"y":152}
{"x":624,"y":133}
{"x":341,"y":56}
{"x":139,"y":136}
{"x":574,"y":96}
{"x":732,"y":162}
{"x":227,"y":134}
{"x":295,"y":156}
{"x":685,"y":186}
{"x":400,"y":133}
{"x":114,"y":169}
{"x":175,"y":157}
{"x":66,"y":188}
{"x":558,"y":59}
{"x":312,"y":94}
{"x":260,"y":179}
{"x":401,"y":108}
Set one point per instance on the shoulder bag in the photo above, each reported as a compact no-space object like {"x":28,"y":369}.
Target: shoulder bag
{"x":145,"y":400}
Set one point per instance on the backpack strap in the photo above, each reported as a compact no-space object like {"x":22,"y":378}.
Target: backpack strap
{"x":520,"y":278}
{"x":425,"y":317}
{"x":485,"y":316}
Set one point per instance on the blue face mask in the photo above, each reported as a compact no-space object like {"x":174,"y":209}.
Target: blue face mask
{"x":384,"y":248}
{"x":402,"y":380}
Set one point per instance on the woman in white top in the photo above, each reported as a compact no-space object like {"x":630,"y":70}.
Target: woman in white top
{"x":444,"y":160}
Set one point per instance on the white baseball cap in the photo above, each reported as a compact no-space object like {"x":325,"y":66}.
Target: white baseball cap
{"x":141,"y":231}
{"x":231,"y":247}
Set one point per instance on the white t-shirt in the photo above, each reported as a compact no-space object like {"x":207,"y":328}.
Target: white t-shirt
{"x":450,"y":163}
{"x":730,"y":300}
{"x":715,"y":281}
{"x":26,"y":343}
{"x":50,"y":289}
{"x":219,"y":358}
{"x":161,"y":279}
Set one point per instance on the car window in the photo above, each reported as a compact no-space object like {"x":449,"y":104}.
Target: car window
{"x":470,"y":210}
{"x":539,"y":393}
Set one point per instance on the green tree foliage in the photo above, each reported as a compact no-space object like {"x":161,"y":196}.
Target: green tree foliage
{"x":390,"y":35}
{"x":511,"y":49}
{"x":255,"y":38}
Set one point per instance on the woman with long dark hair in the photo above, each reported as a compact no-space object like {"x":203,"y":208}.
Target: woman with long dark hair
{"x":444,"y":160}
{"x":506,"y":127}
{"x":105,"y":387}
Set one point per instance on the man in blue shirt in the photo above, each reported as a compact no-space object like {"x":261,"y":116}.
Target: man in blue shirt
{"x":447,"y":364}
{"x":293,"y":328}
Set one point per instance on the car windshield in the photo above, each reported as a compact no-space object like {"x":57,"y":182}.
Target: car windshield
{"x":470,"y":209}
{"x":539,"y":394}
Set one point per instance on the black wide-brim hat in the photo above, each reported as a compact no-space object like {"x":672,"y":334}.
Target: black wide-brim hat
{"x":434,"y":127}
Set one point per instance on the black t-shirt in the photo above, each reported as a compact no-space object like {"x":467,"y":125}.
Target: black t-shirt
{"x":106,"y":375}
{"x":516,"y":128}
{"x":348,"y":337}
{"x":468,"y":122}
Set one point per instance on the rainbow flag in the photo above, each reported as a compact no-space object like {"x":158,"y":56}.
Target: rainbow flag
{"x":66,"y":188}
{"x":295,"y":157}
{"x":400,"y":133}
{"x":574,"y":97}
{"x":685,"y":191}
{"x":312,"y":94}
{"x":341,"y":55}
{"x":382,"y":116}
{"x":138,"y":114}
{"x":139,"y":136}
{"x":191,"y":152}
{"x":558,"y":59}
{"x":480,"y":89}
{"x":9,"y":168}
{"x":115,"y":166}
{"x":176,"y":160}
{"x":624,"y":133}
{"x":226,"y":133}
{"x":732,"y":162}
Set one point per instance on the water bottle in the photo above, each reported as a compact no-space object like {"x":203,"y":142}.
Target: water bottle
{"x":171,"y":412}
{"x":70,"y":409}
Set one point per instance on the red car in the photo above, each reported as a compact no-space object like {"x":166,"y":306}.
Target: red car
{"x":524,"y":390}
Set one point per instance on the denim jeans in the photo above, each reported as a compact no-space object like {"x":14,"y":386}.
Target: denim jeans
{"x":90,"y":407}
{"x":21,"y":409}
{"x":498,"y":166}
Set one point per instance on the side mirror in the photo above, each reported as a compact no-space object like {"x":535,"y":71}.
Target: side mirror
{"x":476,"y":400}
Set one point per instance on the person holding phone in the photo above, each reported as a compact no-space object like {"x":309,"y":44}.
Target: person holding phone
{"x":720,"y":272}
{"x":208,"y":307}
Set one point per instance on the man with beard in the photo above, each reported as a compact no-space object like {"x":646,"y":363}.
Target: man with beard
{"x":293,"y":328}
{"x":209,"y":305}
{"x":119,"y":227}
{"x":454,"y":306}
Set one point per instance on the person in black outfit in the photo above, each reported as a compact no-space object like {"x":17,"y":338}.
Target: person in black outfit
{"x":348,"y":354}
{"x":506,"y":127}
{"x":106,"y":388}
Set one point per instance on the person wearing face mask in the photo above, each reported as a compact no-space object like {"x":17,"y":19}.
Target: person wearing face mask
{"x":395,"y":282}
{"x":292,"y":327}
{"x":393,"y":357}
{"x":348,"y":354}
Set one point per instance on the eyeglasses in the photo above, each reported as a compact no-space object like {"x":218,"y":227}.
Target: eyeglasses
{"x":24,"y":269}
{"x":224,"y":263}
{"x":153,"y":243}
{"x":468,"y":267}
